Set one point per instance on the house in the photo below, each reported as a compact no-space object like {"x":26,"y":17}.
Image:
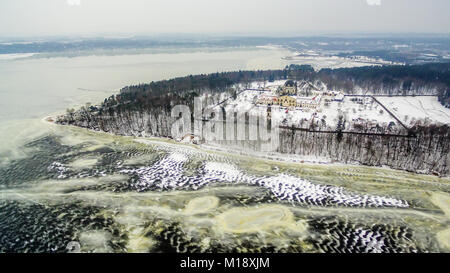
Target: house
{"x":339,"y":97}
{"x":306,"y":88}
{"x":331,"y":93}
{"x":308,"y":102}
{"x":267,"y":99}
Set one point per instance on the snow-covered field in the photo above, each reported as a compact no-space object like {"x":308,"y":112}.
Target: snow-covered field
{"x":411,"y":109}
{"x":322,"y":61}
{"x":351,"y":111}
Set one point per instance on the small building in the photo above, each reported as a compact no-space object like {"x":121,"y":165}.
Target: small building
{"x":267,"y":99}
{"x":306,"y":88}
{"x":334,"y":95}
{"x":307,"y":102}
{"x":331,"y":93}
{"x":339,"y":97}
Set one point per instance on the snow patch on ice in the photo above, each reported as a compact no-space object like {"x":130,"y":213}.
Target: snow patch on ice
{"x":168,"y":174}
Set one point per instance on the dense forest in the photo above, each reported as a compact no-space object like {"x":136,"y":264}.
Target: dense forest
{"x":144,"y":110}
{"x":427,"y":79}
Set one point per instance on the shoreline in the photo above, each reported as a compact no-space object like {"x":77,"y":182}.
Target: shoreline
{"x":276,"y":158}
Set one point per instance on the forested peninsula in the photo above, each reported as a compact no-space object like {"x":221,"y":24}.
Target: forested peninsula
{"x":145,"y":110}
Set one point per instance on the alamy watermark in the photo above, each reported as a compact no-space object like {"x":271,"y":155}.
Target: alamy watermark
{"x":215,"y":124}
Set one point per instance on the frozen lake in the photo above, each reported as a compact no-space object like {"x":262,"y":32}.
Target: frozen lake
{"x":61,"y":185}
{"x":32,"y":88}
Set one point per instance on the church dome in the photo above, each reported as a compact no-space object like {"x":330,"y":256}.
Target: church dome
{"x":289,"y":83}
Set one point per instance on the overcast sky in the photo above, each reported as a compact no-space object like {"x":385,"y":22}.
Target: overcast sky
{"x":259,"y":17}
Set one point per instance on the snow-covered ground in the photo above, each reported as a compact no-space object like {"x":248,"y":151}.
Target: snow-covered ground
{"x":411,"y":109}
{"x":243,"y":102}
{"x":368,"y":111}
{"x":351,"y":111}
{"x":356,"y":111}
{"x":325,"y":61}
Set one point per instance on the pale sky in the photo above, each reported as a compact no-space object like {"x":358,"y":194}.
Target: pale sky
{"x":259,"y":17}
